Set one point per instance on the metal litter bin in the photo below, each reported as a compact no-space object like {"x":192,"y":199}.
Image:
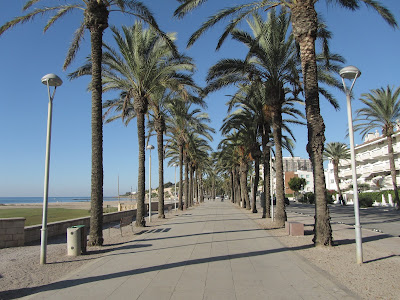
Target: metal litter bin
{"x":76,"y":240}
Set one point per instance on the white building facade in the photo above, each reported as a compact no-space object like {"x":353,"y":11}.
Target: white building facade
{"x":372,"y":164}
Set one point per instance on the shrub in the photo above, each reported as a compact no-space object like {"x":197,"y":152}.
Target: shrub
{"x":308,"y":198}
{"x":365,"y":200}
{"x":375,"y":196}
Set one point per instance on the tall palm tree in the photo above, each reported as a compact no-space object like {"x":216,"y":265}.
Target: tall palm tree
{"x":304,"y":20}
{"x":181,"y":122}
{"x":143,"y":65}
{"x":382,"y":110}
{"x":272,"y":64}
{"x":227,"y":161}
{"x":246,"y":135}
{"x":198,"y":152}
{"x":158,"y":113}
{"x":95,"y":19}
{"x":335,"y":151}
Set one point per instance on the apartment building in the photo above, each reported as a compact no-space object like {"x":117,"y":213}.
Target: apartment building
{"x":294,"y":167}
{"x":308,"y":176}
{"x":372,"y":164}
{"x":293,"y":164}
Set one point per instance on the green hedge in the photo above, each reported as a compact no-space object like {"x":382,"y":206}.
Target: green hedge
{"x":375,"y":196}
{"x":310,"y":198}
{"x":365,"y":199}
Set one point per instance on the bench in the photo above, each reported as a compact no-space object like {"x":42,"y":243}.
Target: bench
{"x":294,"y":228}
{"x":124,"y":221}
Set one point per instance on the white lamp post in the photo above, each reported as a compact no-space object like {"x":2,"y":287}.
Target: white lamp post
{"x":150,"y":147}
{"x":175,"y":165}
{"x":270,"y":144}
{"x":352,"y":73}
{"x":49,"y":80}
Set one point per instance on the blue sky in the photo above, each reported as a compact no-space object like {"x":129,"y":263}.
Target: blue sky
{"x":27,"y":54}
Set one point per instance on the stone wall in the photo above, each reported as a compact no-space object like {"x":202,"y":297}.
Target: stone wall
{"x":32,"y":233}
{"x":12,"y":232}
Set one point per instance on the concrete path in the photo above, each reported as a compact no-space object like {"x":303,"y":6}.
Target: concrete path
{"x":213,"y":251}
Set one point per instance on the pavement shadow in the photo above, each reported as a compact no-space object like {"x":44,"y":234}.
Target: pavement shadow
{"x":381,"y":258}
{"x":204,"y":221}
{"x":364,"y":239}
{"x":197,"y":234}
{"x":17,"y":293}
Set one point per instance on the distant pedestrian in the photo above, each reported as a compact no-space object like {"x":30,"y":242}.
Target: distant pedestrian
{"x":341,"y":200}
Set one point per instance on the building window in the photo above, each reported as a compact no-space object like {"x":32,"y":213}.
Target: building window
{"x":332,"y":181}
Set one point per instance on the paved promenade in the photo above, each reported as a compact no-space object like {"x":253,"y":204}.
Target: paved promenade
{"x":213,"y":251}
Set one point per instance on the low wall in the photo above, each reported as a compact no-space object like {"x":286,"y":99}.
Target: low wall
{"x":12,"y":232}
{"x":32,"y":233}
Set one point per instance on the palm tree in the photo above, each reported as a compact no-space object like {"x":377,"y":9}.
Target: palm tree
{"x":181,"y":122}
{"x":227,"y":160}
{"x":335,"y":151}
{"x":158,"y":113}
{"x":128,"y":71}
{"x":272,"y":64}
{"x":95,"y":19}
{"x":246,"y":135}
{"x":304,"y":20}
{"x":198,"y":152}
{"x":382,"y":110}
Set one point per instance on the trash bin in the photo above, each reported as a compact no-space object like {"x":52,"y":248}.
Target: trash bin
{"x":76,"y":240}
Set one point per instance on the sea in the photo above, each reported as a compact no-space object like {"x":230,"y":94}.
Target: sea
{"x":35,"y":200}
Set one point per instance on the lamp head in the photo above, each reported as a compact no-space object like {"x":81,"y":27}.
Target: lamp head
{"x":150,"y":147}
{"x":350,"y":72}
{"x":271,"y":143}
{"x":52,"y":79}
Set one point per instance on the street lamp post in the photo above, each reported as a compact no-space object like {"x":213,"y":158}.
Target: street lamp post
{"x":352,"y":73}
{"x":150,"y":147}
{"x":175,"y":165}
{"x":270,"y":144}
{"x":49,"y":80}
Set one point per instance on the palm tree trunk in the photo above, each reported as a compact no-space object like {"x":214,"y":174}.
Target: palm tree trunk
{"x":196,"y":186}
{"x":237,"y":186}
{"x":267,"y":183}
{"x":243,"y":185}
{"x":304,"y":24}
{"x":140,"y":105}
{"x":191,"y":174}
{"x":96,"y":14}
{"x":266,"y":196}
{"x":201,"y":188}
{"x":213,"y":187}
{"x":233,"y":198}
{"x":393,"y":170}
{"x":255,"y":183}
{"x":280,"y":214}
{"x":336,"y":176}
{"x":180,"y":200}
{"x":186,"y":182}
{"x":160,"y":149}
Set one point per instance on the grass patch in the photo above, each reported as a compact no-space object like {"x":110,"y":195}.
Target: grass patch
{"x":34,"y":215}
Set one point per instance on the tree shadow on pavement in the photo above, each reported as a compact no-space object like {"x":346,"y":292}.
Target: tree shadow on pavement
{"x":380,"y":258}
{"x":364,"y":239}
{"x":13,"y":294}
